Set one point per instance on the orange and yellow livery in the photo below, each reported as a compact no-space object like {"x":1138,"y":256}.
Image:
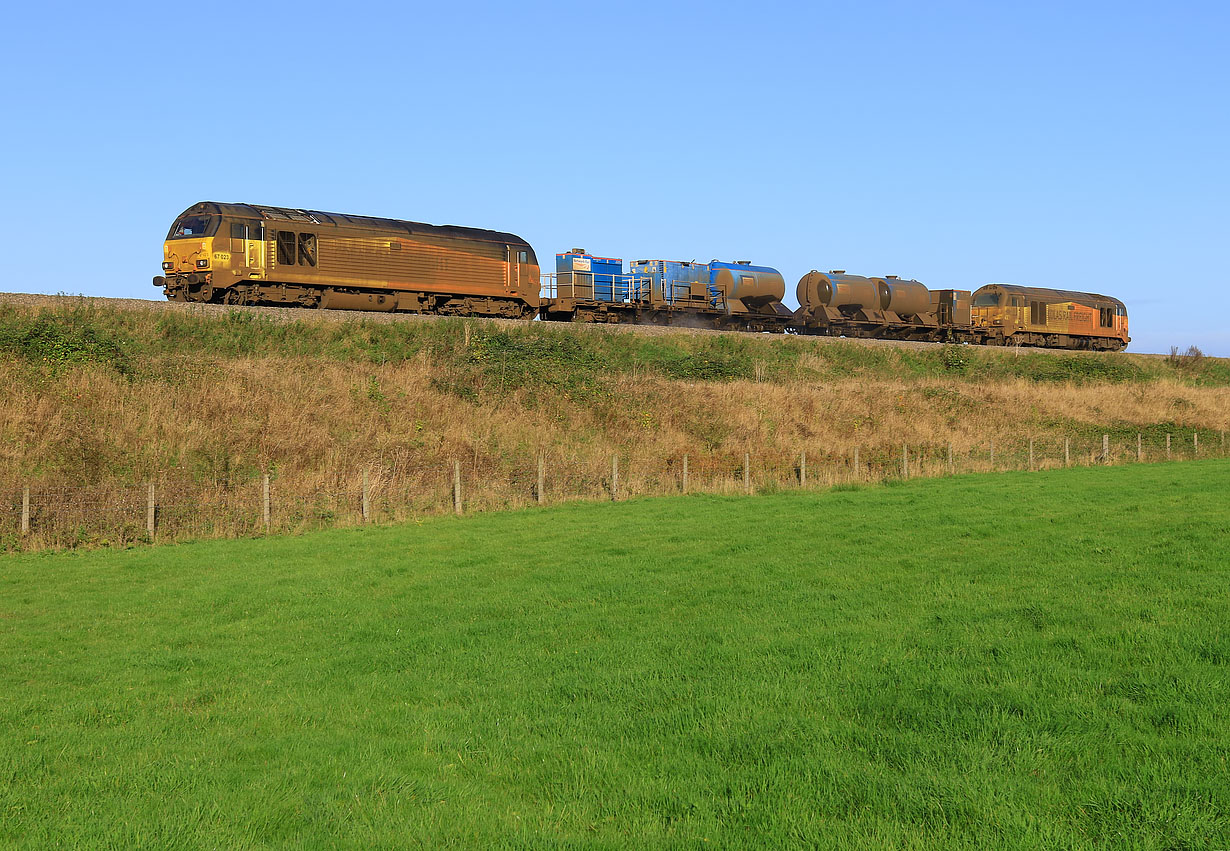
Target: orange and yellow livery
{"x":1010,"y":315}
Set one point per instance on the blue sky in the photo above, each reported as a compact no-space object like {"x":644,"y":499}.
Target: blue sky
{"x":1071,"y":145}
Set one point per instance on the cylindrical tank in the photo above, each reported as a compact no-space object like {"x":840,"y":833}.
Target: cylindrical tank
{"x":837,"y":289}
{"x":904,"y":298}
{"x":753,"y":285}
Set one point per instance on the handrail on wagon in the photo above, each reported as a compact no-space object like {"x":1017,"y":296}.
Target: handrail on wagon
{"x":620,"y":288}
{"x":596,"y":286}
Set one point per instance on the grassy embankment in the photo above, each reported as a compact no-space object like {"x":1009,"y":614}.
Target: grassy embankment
{"x":953,"y":663}
{"x":98,"y":398}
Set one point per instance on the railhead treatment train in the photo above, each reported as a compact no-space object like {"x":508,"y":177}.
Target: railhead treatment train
{"x":247,"y":254}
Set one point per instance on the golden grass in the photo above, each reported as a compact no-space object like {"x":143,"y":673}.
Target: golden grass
{"x":317,"y":422}
{"x":207,"y":427}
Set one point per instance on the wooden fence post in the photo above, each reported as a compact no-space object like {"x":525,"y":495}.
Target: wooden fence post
{"x":1195,"y":443}
{"x":1140,"y":453}
{"x":685,"y":473}
{"x":149,"y":512}
{"x":614,"y":478}
{"x":950,"y":457}
{"x":802,"y":469}
{"x":265,"y":504}
{"x":1067,"y":456}
{"x":367,"y":505}
{"x":905,"y":461}
{"x":25,"y":511}
{"x":747,"y":473}
{"x":542,"y":480}
{"x":1167,"y":446}
{"x":457,"y":487}
{"x":1106,"y":449}
{"x":1031,"y":453}
{"x":856,"y":462}
{"x":992,"y":455}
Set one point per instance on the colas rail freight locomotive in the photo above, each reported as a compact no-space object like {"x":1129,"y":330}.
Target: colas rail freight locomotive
{"x":255,"y":255}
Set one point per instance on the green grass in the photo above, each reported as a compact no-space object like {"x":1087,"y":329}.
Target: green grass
{"x":147,"y":346}
{"x":990,"y":661}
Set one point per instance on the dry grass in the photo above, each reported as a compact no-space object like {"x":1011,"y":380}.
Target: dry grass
{"x":200,"y":420}
{"x":318,"y":422}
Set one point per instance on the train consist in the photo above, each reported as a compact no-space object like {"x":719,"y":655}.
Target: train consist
{"x":249,"y":254}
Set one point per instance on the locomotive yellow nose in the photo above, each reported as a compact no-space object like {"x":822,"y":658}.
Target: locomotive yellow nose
{"x":183,"y":256}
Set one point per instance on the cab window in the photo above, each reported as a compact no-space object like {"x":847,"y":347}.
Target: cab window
{"x":286,"y":248}
{"x":192,"y":226}
{"x":1106,"y":317}
{"x":307,"y":249}
{"x":987,"y":300}
{"x":295,"y":249}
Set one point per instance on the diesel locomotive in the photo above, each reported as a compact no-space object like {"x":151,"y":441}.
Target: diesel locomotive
{"x":1007,"y":315}
{"x":248,"y":254}
{"x":257,"y":255}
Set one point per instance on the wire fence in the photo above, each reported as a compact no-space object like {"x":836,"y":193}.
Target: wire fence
{"x":42,"y":516}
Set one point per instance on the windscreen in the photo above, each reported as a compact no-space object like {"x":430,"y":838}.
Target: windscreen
{"x":192,"y":226}
{"x":987,"y":300}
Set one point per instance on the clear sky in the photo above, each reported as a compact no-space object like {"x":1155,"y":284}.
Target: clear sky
{"x":1077,"y":145}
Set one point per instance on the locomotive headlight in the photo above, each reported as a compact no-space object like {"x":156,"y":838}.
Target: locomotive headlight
{"x":168,"y":265}
{"x":202,"y":264}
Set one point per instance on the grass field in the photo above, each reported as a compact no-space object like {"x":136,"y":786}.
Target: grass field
{"x":1014,"y":660}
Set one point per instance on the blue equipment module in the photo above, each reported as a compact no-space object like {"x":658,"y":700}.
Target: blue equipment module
{"x":674,"y":281}
{"x":590,"y":277}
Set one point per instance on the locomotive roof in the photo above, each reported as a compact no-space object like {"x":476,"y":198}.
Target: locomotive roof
{"x":1042,"y":293}
{"x":289,"y":214}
